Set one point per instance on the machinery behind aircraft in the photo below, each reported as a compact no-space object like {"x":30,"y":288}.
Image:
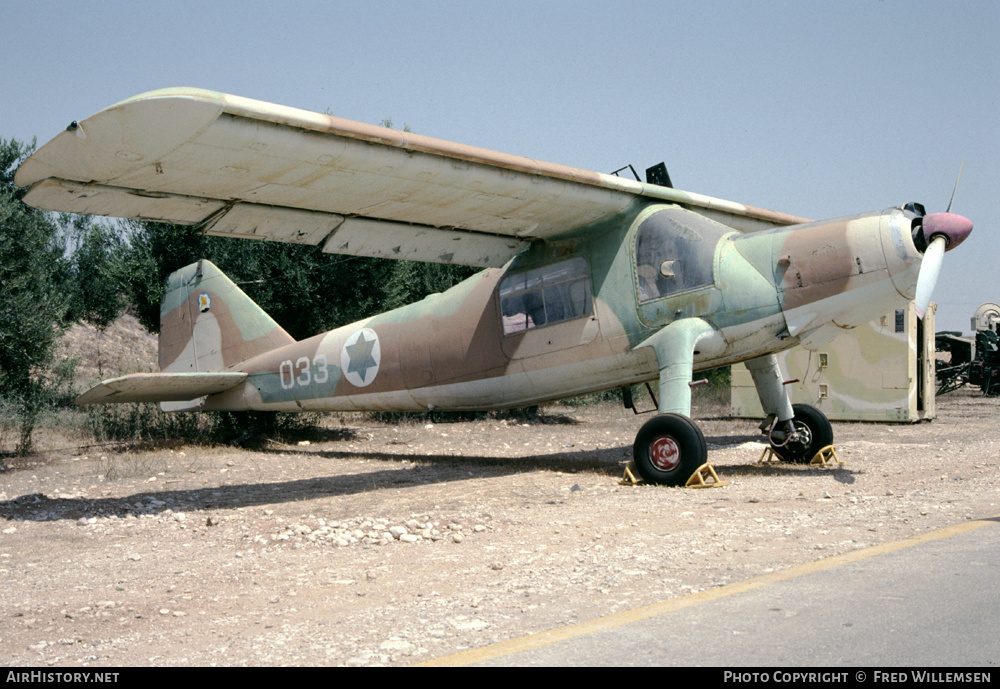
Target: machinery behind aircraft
{"x":590,"y":281}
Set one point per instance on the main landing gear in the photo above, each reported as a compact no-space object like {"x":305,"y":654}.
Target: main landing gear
{"x":668,"y":449}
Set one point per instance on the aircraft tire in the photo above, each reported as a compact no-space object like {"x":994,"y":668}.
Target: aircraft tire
{"x":668,"y":449}
{"x":820,"y":431}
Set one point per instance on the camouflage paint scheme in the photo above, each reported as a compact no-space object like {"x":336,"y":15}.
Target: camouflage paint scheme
{"x":448,"y":351}
{"x":880,"y":371}
{"x":674,"y":281}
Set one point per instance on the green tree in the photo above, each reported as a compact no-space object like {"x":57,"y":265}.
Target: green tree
{"x":94,"y":290}
{"x":150,"y":251}
{"x":305,"y":290}
{"x":411,"y":281}
{"x":33,"y":300}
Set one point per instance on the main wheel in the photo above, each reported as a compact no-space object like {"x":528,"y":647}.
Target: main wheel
{"x":668,"y":449}
{"x":815,"y":431}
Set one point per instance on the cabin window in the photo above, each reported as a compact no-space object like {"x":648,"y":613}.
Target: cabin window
{"x":674,"y":252}
{"x":545,"y":296}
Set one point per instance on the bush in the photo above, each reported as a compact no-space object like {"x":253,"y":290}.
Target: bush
{"x":146,"y":423}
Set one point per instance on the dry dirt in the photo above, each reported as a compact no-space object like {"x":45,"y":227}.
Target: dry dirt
{"x":221,"y":556}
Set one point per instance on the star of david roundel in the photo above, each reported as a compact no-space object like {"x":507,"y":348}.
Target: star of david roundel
{"x":360,"y":357}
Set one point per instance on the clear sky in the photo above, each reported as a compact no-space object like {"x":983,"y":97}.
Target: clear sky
{"x":815,"y":108}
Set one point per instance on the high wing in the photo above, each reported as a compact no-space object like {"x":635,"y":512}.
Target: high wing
{"x":245,"y":168}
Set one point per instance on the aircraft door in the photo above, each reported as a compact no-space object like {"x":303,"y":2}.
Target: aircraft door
{"x":675,"y":265}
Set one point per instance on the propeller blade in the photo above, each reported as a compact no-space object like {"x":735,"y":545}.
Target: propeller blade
{"x":930,"y":268}
{"x":955,"y":190}
{"x":944,"y":231}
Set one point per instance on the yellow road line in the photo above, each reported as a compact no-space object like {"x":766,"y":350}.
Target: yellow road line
{"x":533,"y":641}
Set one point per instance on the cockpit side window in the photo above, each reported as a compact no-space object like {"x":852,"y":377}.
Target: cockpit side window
{"x":545,"y":295}
{"x":674,"y":252}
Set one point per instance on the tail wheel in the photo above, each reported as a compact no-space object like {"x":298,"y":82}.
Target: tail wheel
{"x":815,"y":433}
{"x":668,"y":449}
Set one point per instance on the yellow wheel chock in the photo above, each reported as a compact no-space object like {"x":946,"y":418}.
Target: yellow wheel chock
{"x":769,"y":455}
{"x":827,"y":456}
{"x":629,"y":478}
{"x":703,"y":477}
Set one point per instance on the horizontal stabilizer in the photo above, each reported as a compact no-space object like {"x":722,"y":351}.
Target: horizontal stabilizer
{"x":160,"y":387}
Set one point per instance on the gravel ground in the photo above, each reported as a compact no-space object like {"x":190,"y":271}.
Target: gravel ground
{"x":397,"y":544}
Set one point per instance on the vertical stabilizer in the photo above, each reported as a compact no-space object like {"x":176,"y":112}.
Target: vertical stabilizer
{"x":207,"y":323}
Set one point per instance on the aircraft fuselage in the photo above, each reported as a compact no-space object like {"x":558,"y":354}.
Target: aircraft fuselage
{"x":568,"y":318}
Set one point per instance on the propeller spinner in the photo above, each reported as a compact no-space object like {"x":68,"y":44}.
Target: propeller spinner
{"x":943,"y":232}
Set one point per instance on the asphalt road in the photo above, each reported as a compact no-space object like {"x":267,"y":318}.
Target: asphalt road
{"x":928,"y":601}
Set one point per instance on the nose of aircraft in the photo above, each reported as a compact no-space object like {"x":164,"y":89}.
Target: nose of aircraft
{"x":943,"y":231}
{"x":955,"y":228}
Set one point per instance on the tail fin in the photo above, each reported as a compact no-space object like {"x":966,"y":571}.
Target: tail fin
{"x":207,"y":323}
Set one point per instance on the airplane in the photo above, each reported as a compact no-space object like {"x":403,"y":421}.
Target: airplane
{"x":590,"y":281}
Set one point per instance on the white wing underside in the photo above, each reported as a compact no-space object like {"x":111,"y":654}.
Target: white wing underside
{"x":250,"y":169}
